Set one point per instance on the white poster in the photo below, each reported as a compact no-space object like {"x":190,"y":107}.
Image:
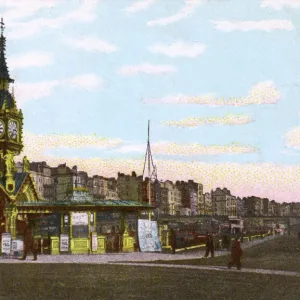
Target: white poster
{"x":17,"y":245}
{"x":94,"y":241}
{"x":64,"y":242}
{"x":80,"y":219}
{"x":148,"y":236}
{"x":6,"y":243}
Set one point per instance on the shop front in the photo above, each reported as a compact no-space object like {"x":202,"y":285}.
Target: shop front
{"x":103,"y":226}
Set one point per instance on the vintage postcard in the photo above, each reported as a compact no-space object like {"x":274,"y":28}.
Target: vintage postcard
{"x":149,"y":149}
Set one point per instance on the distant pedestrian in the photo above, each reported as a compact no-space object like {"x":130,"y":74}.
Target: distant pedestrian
{"x":299,"y":235}
{"x":173,"y":240}
{"x":209,"y":245}
{"x":236,"y":254}
{"x":30,"y":244}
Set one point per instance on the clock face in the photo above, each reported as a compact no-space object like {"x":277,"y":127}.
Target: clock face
{"x":12,"y":129}
{"x":1,"y":128}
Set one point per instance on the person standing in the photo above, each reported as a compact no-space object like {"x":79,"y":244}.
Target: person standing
{"x":30,"y":244}
{"x":209,"y":245}
{"x":173,"y":240}
{"x":236,"y":254}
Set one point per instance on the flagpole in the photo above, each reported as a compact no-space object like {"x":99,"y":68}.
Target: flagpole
{"x":149,"y":175}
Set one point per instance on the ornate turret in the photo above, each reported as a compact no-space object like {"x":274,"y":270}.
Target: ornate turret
{"x":11,"y":121}
{"x":4,"y":74}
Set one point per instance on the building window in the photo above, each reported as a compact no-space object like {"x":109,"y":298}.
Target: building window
{"x":80,"y":231}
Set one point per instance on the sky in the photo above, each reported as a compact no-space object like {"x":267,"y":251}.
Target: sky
{"x":219,"y":81}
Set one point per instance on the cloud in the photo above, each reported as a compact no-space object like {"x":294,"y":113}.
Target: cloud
{"x":265,"y":25}
{"x":293,"y":138}
{"x":86,"y":12}
{"x":91,"y":44}
{"x":279,"y":4}
{"x":146,"y":69}
{"x":85,"y":81}
{"x":26,"y":92}
{"x":168,"y":148}
{"x":139,"y":6}
{"x":175,"y":149}
{"x":188,"y":9}
{"x":19,"y":9}
{"x":30,"y":59}
{"x":230,"y":119}
{"x":37,"y":145}
{"x":261,"y":93}
{"x":179,"y":48}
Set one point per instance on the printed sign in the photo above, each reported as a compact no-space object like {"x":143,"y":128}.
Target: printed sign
{"x":80,"y":219}
{"x":6,"y":243}
{"x":17,"y":245}
{"x":148,"y":236}
{"x":64,"y":242}
{"x":94,"y":241}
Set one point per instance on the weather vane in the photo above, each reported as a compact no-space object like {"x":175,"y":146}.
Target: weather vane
{"x":2,"y":26}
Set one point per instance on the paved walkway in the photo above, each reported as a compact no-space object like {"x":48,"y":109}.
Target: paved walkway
{"x":139,"y":259}
{"x":106,"y":258}
{"x":125,"y":257}
{"x":129,"y":257}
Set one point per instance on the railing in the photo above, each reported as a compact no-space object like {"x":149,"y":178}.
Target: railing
{"x":217,"y":242}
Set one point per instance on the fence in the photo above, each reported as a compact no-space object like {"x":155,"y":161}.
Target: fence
{"x":188,"y":244}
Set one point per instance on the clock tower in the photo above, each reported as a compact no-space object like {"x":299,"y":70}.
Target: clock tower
{"x":11,"y":122}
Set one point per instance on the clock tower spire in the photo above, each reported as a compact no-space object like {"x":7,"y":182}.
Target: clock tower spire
{"x":11,"y":122}
{"x":4,"y":74}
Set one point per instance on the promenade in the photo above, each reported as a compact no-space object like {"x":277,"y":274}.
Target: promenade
{"x":126,"y":257}
{"x":141,"y":259}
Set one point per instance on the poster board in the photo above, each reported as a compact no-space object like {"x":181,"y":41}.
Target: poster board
{"x":148,"y":236}
{"x":64,"y":243}
{"x":17,"y":248}
{"x":17,"y":245}
{"x":6,"y":243}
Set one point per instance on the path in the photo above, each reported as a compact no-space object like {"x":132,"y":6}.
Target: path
{"x":125,"y":257}
{"x":214,"y":268}
{"x":138,"y":259}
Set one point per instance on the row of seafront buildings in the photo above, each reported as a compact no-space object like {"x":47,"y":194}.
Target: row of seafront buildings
{"x":170,"y":198}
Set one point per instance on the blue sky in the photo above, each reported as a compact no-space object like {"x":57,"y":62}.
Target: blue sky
{"x":218,"y":80}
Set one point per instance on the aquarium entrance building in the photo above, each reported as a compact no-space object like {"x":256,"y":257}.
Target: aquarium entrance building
{"x":83,"y":227}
